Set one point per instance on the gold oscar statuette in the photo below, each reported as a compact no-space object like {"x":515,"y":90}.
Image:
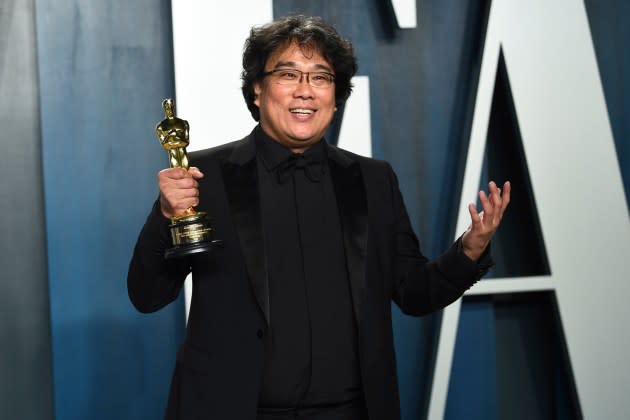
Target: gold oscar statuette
{"x":191,"y":231}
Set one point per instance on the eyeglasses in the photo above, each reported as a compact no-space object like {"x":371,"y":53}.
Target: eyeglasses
{"x":318,"y":79}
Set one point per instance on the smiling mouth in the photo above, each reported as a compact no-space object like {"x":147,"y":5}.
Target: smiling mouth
{"x":302,"y":111}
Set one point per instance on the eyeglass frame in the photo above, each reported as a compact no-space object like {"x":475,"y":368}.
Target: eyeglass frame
{"x":302,"y":73}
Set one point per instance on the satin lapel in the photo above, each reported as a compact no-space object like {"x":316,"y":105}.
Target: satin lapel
{"x":352,"y":202}
{"x":241,"y":185}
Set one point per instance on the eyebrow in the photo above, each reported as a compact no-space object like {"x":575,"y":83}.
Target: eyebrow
{"x":293,"y":64}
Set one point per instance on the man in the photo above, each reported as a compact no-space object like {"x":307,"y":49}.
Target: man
{"x":292,"y":317}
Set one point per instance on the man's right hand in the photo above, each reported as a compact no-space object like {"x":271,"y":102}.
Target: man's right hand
{"x":179,"y":190}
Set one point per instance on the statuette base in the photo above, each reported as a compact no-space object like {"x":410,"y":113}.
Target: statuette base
{"x":191,"y":234}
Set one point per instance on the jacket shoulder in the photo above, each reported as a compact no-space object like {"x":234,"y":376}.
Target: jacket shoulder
{"x":366,"y":163}
{"x":220,"y":152}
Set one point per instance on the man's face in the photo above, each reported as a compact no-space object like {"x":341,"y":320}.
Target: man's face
{"x":295,"y":115}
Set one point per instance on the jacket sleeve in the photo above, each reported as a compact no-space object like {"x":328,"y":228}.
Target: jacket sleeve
{"x":422,"y":286}
{"x":152,"y":281}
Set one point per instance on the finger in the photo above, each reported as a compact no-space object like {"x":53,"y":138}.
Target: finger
{"x":173,"y":173}
{"x":176,"y":194}
{"x":494,"y":193}
{"x":486,"y":205}
{"x":183,"y":183}
{"x":195,"y":172}
{"x":496,"y":201}
{"x":492,"y":187}
{"x":169,"y":180}
{"x":172,"y":194}
{"x":173,"y":206}
{"x":474,"y":216}
{"x":184,"y":205}
{"x":507,"y":190}
{"x":504,"y":201}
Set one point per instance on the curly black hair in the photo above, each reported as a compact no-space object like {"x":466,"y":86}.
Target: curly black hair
{"x":307,"y":32}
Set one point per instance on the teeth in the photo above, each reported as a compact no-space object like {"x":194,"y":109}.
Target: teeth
{"x":301,"y":111}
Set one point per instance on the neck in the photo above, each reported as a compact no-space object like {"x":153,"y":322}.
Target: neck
{"x":294,"y":146}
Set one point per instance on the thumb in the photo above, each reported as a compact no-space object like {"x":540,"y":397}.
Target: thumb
{"x":195,"y":172}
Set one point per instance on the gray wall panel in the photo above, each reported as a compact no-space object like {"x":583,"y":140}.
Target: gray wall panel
{"x":25,"y":359}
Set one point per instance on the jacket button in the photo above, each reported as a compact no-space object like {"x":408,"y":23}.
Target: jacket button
{"x":259,"y":333}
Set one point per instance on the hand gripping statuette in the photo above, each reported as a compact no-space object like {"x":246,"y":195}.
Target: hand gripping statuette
{"x":191,"y":231}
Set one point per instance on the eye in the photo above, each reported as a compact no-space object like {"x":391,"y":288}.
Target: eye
{"x":287,"y":74}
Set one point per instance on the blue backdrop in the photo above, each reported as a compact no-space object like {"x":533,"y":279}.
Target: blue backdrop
{"x":104,"y":68}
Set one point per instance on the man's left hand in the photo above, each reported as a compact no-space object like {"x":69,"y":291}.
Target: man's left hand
{"x":485,"y":224}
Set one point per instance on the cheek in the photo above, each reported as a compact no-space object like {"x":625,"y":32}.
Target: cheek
{"x":268,"y":99}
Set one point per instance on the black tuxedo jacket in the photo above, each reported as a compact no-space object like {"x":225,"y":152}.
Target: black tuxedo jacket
{"x":220,"y":364}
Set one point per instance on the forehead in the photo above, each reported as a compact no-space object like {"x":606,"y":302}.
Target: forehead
{"x":292,"y":53}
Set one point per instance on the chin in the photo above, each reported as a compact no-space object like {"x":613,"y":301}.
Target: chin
{"x":305,"y":141}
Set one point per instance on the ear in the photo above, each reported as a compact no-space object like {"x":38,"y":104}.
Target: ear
{"x":257,"y":90}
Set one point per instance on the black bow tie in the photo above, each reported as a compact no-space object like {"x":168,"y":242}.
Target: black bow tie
{"x":311,"y":165}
